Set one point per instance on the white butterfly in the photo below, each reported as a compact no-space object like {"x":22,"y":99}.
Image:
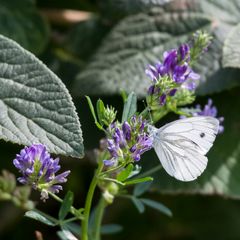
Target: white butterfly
{"x":181,"y":145}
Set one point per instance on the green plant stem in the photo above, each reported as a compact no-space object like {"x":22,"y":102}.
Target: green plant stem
{"x":88,"y":203}
{"x":96,"y":235}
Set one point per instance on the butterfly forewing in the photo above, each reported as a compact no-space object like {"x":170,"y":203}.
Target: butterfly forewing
{"x":182,"y":144}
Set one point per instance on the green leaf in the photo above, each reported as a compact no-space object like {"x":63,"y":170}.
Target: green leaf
{"x":73,"y":228}
{"x":231,"y":49}
{"x":130,"y":107}
{"x":93,"y":113}
{"x":138,"y":204}
{"x":108,"y":229}
{"x":124,"y":174}
{"x":141,"y":39}
{"x":41,"y":217}
{"x":221,"y":176}
{"x":65,"y":234}
{"x":100,"y":110}
{"x":158,"y":206}
{"x":23,"y":23}
{"x":141,"y":188}
{"x":66,"y":205}
{"x":35,"y":105}
{"x":138,"y":180}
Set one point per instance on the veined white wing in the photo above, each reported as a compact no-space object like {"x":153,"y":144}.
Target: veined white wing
{"x":181,"y":145}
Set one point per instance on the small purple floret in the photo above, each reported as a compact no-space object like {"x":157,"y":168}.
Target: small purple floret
{"x":162,"y":99}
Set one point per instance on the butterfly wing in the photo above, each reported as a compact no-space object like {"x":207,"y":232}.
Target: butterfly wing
{"x":181,"y":146}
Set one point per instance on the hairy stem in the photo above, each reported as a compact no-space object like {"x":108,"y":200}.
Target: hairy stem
{"x":88,"y":203}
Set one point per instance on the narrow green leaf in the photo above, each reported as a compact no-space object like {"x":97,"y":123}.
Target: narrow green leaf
{"x":35,"y":105}
{"x":100,"y":110}
{"x":41,"y":217}
{"x":130,"y":107}
{"x":141,"y":188}
{"x":123,"y":175}
{"x":139,"y":180}
{"x":93,"y":113}
{"x":66,"y":205}
{"x":111,"y":229}
{"x":138,"y":204}
{"x":158,"y":206}
{"x":124,"y":95}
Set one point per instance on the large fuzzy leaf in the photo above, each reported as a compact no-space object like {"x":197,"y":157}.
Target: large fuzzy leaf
{"x":231,"y":49}
{"x":20,"y":21}
{"x":35,"y":106}
{"x":140,"y":39}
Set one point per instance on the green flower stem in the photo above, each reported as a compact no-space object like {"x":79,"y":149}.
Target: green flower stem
{"x":89,"y":201}
{"x":73,"y":210}
{"x":96,"y":235}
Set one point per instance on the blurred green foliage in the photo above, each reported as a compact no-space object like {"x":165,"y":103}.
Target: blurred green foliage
{"x":108,"y":51}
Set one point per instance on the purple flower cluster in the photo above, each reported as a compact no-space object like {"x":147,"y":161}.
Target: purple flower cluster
{"x":175,"y":71}
{"x":39,"y":170}
{"x":128,"y":141}
{"x":208,"y":110}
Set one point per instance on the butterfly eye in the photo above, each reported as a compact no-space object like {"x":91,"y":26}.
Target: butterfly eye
{"x":202,"y":135}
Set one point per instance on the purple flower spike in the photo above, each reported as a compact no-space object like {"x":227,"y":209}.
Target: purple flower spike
{"x":162,"y":99}
{"x":172,"y":92}
{"x":113,"y":147}
{"x":152,"y":73}
{"x":184,"y":52}
{"x":109,"y":163}
{"x":119,"y":137}
{"x":136,"y":141}
{"x":39,"y":169}
{"x":170,"y":60}
{"x":151,"y":90}
{"x":126,"y":130}
{"x":136,"y":157}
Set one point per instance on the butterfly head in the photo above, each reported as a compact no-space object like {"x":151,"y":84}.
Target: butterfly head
{"x":152,"y":130}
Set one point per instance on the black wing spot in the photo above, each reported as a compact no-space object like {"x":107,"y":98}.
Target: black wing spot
{"x":202,"y":135}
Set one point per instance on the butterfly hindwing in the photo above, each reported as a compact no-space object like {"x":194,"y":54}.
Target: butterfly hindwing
{"x":182,"y":144}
